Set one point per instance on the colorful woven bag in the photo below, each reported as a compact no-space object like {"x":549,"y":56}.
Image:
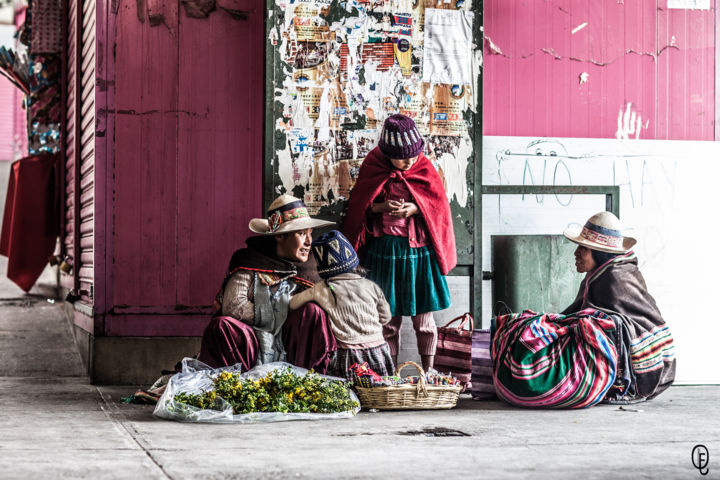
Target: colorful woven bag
{"x":454,"y":349}
{"x":483,"y":387}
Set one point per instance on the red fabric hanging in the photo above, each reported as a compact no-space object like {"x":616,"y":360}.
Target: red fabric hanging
{"x":30,"y":222}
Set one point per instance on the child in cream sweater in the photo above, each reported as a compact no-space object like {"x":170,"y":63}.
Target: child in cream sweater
{"x":356,"y":307}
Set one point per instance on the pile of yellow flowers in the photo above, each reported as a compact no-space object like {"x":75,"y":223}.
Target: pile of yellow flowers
{"x":281,"y":390}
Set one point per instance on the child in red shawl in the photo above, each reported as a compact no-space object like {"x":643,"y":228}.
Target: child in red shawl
{"x":399,"y":220}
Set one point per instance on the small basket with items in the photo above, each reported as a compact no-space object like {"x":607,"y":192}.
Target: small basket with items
{"x":431,"y":390}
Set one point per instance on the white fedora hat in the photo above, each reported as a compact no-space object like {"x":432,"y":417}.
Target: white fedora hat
{"x":286,"y":214}
{"x":602,"y":232}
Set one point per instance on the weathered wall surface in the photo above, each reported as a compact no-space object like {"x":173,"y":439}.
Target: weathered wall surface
{"x":179,"y":123}
{"x":340,"y":68}
{"x":570,"y":68}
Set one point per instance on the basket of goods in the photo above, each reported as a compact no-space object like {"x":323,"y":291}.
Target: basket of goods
{"x":425,"y":391}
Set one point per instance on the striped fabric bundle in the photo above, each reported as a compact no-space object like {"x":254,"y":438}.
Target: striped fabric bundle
{"x":552,"y":360}
{"x":649,"y":351}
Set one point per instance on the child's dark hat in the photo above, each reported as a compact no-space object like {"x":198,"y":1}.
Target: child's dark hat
{"x":400,"y":137}
{"x":334,"y":254}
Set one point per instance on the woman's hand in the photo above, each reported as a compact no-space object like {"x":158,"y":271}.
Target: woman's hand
{"x":387,"y":206}
{"x":405,"y":210}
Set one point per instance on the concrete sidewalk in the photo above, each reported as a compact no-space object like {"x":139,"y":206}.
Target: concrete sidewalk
{"x":54,"y":424}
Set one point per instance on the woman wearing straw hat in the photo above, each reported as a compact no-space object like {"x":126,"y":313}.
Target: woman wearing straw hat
{"x":250,"y":323}
{"x":611,"y":344}
{"x":613,"y":284}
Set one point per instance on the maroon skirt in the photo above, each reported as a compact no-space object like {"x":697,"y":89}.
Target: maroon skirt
{"x":308,"y":341}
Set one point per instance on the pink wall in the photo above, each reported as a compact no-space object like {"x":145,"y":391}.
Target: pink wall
{"x":20,"y":140}
{"x":178,"y":161}
{"x":20,"y":116}
{"x":7,"y":118}
{"x":660,"y":62}
{"x":13,"y":120}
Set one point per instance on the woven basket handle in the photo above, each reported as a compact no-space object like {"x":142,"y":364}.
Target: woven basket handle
{"x":466,"y":317}
{"x":421,"y":390}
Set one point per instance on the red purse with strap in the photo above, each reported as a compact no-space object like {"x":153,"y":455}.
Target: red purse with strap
{"x":454,"y":348}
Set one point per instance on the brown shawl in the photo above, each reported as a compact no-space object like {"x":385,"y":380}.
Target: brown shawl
{"x":259,"y":256}
{"x":618,"y":288}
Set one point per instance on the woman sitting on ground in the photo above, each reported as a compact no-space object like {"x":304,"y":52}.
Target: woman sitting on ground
{"x":610,"y":344}
{"x":251,"y":324}
{"x":613,"y":284}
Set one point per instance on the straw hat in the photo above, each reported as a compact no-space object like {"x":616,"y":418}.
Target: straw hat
{"x":286,"y":214}
{"x":602,"y":232}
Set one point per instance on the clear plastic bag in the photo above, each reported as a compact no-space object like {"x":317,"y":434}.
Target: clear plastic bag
{"x":196,"y":377}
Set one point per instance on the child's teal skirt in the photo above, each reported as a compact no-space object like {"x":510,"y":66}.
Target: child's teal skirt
{"x":409,"y":277}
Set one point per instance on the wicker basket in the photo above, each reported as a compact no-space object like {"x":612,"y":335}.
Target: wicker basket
{"x":420,"y":396}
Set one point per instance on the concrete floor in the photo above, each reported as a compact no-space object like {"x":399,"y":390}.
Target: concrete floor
{"x":54,"y":424}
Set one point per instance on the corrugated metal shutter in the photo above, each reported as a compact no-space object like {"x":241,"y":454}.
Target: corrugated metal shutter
{"x":87,"y":152}
{"x":68,"y":281}
{"x":80,"y":148}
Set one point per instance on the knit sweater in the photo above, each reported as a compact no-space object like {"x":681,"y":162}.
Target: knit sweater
{"x":358,"y":314}
{"x":238,"y":297}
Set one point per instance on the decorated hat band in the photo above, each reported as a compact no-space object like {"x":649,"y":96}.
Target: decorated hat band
{"x":288,"y":212}
{"x":602,"y":236}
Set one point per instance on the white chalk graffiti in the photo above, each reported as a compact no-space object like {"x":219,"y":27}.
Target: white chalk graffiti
{"x":629,"y":123}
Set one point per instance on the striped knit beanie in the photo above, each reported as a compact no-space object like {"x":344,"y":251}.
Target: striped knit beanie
{"x":334,"y":254}
{"x":400,"y":137}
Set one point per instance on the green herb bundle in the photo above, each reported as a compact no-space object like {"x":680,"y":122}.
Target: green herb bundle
{"x":281,"y":390}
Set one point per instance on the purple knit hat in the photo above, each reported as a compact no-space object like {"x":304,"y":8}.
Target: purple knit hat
{"x":400,"y":137}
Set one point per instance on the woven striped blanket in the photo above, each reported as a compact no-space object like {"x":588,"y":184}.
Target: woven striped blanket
{"x":552,"y":360}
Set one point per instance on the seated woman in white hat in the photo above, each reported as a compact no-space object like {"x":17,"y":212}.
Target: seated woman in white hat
{"x":611,"y":344}
{"x":613,"y":284}
{"x":251,"y":324}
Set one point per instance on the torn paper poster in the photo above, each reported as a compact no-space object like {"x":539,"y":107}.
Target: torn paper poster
{"x":448,"y":46}
{"x":689,"y":4}
{"x":343,"y":67}
{"x":446,"y":111}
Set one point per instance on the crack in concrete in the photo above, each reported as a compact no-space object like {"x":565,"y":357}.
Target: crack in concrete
{"x":426,"y":432}
{"x":106,"y":407}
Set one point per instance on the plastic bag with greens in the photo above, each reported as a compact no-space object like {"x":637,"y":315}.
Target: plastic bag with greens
{"x":273,"y":392}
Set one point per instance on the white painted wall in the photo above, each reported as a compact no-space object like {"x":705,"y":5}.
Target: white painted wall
{"x":7,"y":15}
{"x":669,"y":202}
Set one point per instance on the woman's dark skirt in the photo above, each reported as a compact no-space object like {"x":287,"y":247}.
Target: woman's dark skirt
{"x":409,"y":277}
{"x":308,"y":341}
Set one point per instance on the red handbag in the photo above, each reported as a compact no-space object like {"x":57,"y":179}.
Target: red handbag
{"x":454,"y":349}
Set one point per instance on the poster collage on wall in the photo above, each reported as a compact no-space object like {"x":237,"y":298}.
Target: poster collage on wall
{"x":342,"y":67}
